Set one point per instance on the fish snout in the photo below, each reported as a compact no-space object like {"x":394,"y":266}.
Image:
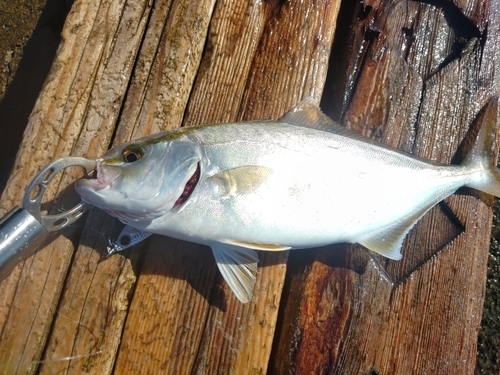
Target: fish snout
{"x":102,"y":178}
{"x":106,"y":174}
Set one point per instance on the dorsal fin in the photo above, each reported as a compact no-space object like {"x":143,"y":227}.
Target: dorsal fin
{"x":308,"y":114}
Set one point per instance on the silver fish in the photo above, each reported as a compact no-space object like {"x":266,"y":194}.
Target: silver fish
{"x":301,"y":182}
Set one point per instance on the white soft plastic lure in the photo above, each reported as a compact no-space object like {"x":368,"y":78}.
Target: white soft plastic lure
{"x":301,"y":182}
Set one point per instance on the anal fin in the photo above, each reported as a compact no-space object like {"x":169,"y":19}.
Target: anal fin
{"x":388,"y":241}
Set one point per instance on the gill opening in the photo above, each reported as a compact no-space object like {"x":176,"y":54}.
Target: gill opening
{"x":189,"y":187}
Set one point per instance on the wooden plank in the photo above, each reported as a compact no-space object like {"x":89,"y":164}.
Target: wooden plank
{"x":135,"y":64}
{"x":218,"y":334}
{"x":97,"y":294}
{"x":422,"y":97}
{"x":126,"y":69}
{"x":33,"y":290}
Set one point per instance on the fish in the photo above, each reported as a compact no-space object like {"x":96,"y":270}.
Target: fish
{"x":303,"y":181}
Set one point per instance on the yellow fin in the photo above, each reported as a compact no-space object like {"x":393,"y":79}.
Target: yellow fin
{"x":241,"y":180}
{"x":256,"y":246}
{"x":482,"y":155}
{"x":308,"y":114}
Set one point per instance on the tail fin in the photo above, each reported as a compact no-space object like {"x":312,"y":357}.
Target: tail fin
{"x":481,"y":157}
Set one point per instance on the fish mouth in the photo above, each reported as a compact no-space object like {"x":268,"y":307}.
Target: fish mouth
{"x":105,"y":175}
{"x":189,"y":187}
{"x":101,"y":178}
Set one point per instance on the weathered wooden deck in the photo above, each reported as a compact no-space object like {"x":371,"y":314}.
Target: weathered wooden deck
{"x":413,"y":75}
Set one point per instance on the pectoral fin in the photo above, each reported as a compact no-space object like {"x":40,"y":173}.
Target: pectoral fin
{"x":238,"y":266}
{"x":241,"y":180}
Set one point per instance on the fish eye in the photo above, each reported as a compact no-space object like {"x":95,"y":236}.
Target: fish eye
{"x":132,"y":153}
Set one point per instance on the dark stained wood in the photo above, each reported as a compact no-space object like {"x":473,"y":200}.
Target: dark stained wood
{"x":423,"y":96}
{"x":416,"y":76}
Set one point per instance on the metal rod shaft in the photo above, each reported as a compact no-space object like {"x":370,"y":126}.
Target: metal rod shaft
{"x":20,"y":235}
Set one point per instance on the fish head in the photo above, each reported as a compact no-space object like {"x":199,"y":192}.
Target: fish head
{"x":144,"y":179}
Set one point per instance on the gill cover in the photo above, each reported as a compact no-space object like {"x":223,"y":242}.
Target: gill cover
{"x":182,"y":162}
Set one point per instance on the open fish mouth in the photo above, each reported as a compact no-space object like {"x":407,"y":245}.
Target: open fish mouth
{"x":189,"y":187}
{"x":101,"y":178}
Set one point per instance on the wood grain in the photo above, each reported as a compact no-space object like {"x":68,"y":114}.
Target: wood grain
{"x":423,"y":97}
{"x":132,"y":66}
{"x":217,"y":334}
{"x":416,"y":76}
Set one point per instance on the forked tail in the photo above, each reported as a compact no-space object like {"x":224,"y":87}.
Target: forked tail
{"x":481,"y":157}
